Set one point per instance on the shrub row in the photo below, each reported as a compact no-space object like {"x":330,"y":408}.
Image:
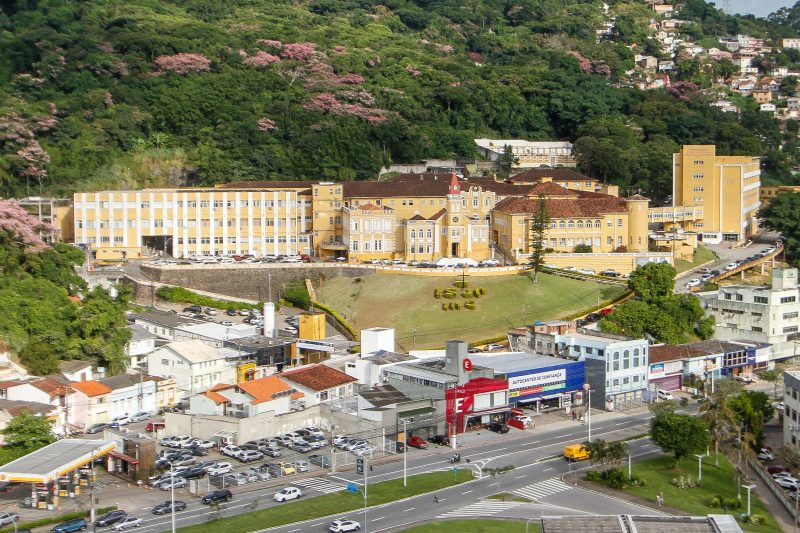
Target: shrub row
{"x":460,"y":284}
{"x":451,"y":306}
{"x":338,"y":318}
{"x":470,"y":304}
{"x":490,"y":340}
{"x":616,"y":478}
{"x":297,"y":294}
{"x":181,"y":295}
{"x":727,"y":503}
{"x":58,"y":519}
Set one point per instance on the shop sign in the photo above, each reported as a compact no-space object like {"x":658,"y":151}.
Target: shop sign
{"x":536,"y":383}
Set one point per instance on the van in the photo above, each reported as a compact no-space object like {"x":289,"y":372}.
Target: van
{"x":155,"y":425}
{"x":575,"y":452}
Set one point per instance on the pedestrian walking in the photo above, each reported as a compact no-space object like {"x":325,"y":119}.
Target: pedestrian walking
{"x":660,"y":499}
{"x":574,"y":416}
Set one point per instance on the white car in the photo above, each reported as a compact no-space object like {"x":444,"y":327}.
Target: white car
{"x":526,"y":420}
{"x":492,"y":347}
{"x":694,"y":282}
{"x":121,"y":420}
{"x":731,"y":266}
{"x":765,"y":455}
{"x":220,"y":469}
{"x":231,"y":450}
{"x":140,"y":416}
{"x":788,"y":482}
{"x":286,"y":494}
{"x":176,"y":482}
{"x":339,"y":526}
{"x":665,"y":395}
{"x":128,"y":521}
{"x":586,"y":271}
{"x":200,"y":443}
{"x":242,"y":478}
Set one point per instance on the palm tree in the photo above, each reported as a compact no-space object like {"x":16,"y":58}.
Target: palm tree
{"x":616,"y":452}
{"x":598,"y":451}
{"x":720,"y":417}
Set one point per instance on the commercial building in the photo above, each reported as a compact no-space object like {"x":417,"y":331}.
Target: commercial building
{"x":725,"y":187}
{"x":791,"y":410}
{"x":759,"y":314}
{"x":319,"y":383}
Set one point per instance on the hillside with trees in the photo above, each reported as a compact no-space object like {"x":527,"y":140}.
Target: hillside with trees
{"x":110,"y":94}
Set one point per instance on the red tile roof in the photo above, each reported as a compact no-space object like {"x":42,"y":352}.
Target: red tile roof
{"x":267,"y":389}
{"x":215,"y":397}
{"x":91,"y":388}
{"x":9,"y":384}
{"x":548,"y":188}
{"x":557,"y":174}
{"x":317,"y":377}
{"x":49,"y":386}
{"x":586,"y":204}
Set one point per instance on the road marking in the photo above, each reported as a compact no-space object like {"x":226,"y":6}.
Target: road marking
{"x":375,"y":519}
{"x":519,"y":477}
{"x":293,"y":530}
{"x":542,"y":489}
{"x":480,"y":508}
{"x":411,"y":509}
{"x":317,"y":524}
{"x":466,"y":492}
{"x":547,"y":469}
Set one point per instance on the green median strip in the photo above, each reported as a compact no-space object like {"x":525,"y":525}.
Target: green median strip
{"x":341,"y":502}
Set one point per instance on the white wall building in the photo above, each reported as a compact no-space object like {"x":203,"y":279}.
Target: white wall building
{"x":130,"y":393}
{"x":791,"y":410}
{"x":142,"y":343}
{"x":196,"y":366}
{"x":529,"y":153}
{"x":766,"y":314}
{"x":319,"y":383}
{"x":246,"y":399}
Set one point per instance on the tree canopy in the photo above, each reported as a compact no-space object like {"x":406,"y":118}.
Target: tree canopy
{"x":679,"y":434}
{"x":781,"y":215}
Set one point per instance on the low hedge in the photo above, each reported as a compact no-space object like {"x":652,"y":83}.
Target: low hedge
{"x":470,"y":304}
{"x":338,"y":318}
{"x":185,"y":296}
{"x":445,"y":307}
{"x":460,"y":284}
{"x":58,"y":519}
{"x":437,"y":293}
{"x":490,"y":340}
{"x":296,"y":293}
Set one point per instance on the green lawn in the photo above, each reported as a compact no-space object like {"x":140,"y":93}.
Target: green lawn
{"x":717,"y":481}
{"x":330,"y":504}
{"x":477,"y":526}
{"x":406,"y":303}
{"x":701,"y":255}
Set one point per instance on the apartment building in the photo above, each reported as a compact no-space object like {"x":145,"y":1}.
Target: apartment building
{"x":725,"y":187}
{"x":791,"y":409}
{"x":765,"y":314}
{"x":769,"y":192}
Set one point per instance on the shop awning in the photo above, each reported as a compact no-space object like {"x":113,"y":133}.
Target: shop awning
{"x":418,"y":411}
{"x":126,"y":458}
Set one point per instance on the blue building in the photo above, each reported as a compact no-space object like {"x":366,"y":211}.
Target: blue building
{"x":538,"y":381}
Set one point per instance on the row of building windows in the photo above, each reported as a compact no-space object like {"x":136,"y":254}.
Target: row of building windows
{"x":377,"y":245}
{"x":190,"y":204}
{"x":204,"y":223}
{"x":625,"y":381}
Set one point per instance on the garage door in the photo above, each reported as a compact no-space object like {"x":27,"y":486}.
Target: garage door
{"x":669,"y":383}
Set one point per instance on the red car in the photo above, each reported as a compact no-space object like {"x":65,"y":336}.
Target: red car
{"x":418,"y":442}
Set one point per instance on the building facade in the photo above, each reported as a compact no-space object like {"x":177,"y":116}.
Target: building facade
{"x":194,"y":365}
{"x":760,"y":314}
{"x":726,"y":187}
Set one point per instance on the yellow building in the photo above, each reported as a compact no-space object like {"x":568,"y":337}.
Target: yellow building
{"x":725,"y":187}
{"x":605,"y":222}
{"x":769,"y":192}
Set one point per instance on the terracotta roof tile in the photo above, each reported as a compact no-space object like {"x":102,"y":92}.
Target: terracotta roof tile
{"x":9,"y":384}
{"x":557,"y":174}
{"x":91,"y":388}
{"x":265,"y":389}
{"x":215,"y":397}
{"x":670,"y":352}
{"x":49,"y":386}
{"x":548,"y":188}
{"x":317,"y":377}
{"x":589,"y":205}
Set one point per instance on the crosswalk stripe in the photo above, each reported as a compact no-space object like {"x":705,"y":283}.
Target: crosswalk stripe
{"x":319,"y":485}
{"x":542,"y":489}
{"x":480,"y":508}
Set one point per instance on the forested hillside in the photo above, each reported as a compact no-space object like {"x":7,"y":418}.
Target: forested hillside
{"x":112,"y":94}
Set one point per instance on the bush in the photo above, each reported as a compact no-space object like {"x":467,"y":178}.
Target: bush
{"x":732,"y":503}
{"x":445,"y":307}
{"x":181,"y":295}
{"x":297,"y":294}
{"x":753,"y":519}
{"x":466,"y":294}
{"x":58,"y":519}
{"x":715,"y":502}
{"x":437,"y":293}
{"x":457,"y":305}
{"x":593,"y":475}
{"x":685,"y":482}
{"x":460,"y":284}
{"x":476,"y":293}
{"x":449,"y":293}
{"x":481,"y":290}
{"x":469,"y":304}
{"x":616,"y":478}
{"x":451,"y":306}
{"x":684,"y":401}
{"x":338,"y":318}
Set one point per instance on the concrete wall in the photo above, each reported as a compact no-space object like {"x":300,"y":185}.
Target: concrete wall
{"x":252,"y":281}
{"x":622,"y":263}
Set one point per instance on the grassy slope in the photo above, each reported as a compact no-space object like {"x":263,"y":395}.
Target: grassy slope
{"x":406,"y":303}
{"x":717,"y":481}
{"x":331,"y":504}
{"x":477,"y":526}
{"x":701,"y":255}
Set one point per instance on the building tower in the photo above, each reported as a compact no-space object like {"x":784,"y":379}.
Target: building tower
{"x":637,"y":222}
{"x":455,"y":220}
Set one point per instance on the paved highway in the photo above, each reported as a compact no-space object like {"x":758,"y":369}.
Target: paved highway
{"x":535,"y":456}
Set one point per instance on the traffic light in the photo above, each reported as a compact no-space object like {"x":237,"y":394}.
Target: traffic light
{"x":360,"y":465}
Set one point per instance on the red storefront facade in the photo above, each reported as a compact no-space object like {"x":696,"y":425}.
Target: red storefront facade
{"x":476,"y":403}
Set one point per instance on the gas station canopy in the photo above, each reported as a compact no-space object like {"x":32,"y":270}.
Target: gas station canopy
{"x":54,"y":460}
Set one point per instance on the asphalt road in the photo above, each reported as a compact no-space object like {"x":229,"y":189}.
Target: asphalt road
{"x":537,"y":470}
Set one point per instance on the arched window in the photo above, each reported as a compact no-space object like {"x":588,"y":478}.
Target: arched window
{"x":475,"y":201}
{"x":413,"y":234}
{"x":430,"y":234}
{"x":554,"y":224}
{"x":562,"y":224}
{"x":597,"y":224}
{"x":571,"y":224}
{"x":486,"y":201}
{"x":580,"y":223}
{"x":588,"y":223}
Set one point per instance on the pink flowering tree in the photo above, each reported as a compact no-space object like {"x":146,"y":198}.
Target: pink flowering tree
{"x":183,"y":63}
{"x":260,"y":59}
{"x":351,"y":79}
{"x":265,"y":124}
{"x":22,"y":225}
{"x":34,"y":158}
{"x":329,"y":103}
{"x":299,"y":51}
{"x":270,"y":42}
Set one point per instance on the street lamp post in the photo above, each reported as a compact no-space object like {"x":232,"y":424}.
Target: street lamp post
{"x":172,"y":494}
{"x":405,"y":452}
{"x":700,"y":457}
{"x":588,"y":389}
{"x":749,"y":488}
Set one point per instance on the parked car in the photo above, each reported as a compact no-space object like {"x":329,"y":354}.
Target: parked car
{"x":527,"y":421}
{"x":440,"y":440}
{"x":217,"y":496}
{"x":128,"y":522}
{"x":610,"y":273}
{"x":259,"y":473}
{"x":121,"y":420}
{"x":492,"y":347}
{"x":586,"y":271}
{"x":765,"y":454}
{"x":300,"y":447}
{"x":272,"y":452}
{"x":200,"y":443}
{"x":415,"y":441}
{"x":744,"y":379}
{"x":166,"y":507}
{"x":140,"y":416}
{"x":241,"y":478}
{"x":775,"y":469}
{"x":788,"y":482}
{"x":339,"y":526}
{"x":320,"y":460}
{"x":97,"y":428}
{"x":731,"y":266}
{"x":176,"y":482}
{"x":194,"y":473}
{"x":665,"y":395}
{"x":110,"y":518}
{"x":694,"y":282}
{"x":219,"y":469}
{"x":231,"y":450}
{"x":498,"y":427}
{"x":286,"y":494}
{"x":155,"y":425}
{"x":231,"y":312}
{"x":248,"y":456}
{"x":70,"y":526}
{"x":287,"y":469}
{"x":198,"y":452}
{"x":8,"y":518}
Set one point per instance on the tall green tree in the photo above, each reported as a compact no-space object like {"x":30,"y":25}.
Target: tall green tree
{"x":654,"y":283}
{"x":28,"y":432}
{"x":721,"y":418}
{"x":774,"y":376}
{"x":538,"y":230}
{"x":781,"y":215}
{"x":39,"y":357}
{"x":679,"y":434}
{"x":506,"y":162}
{"x":752,"y":409}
